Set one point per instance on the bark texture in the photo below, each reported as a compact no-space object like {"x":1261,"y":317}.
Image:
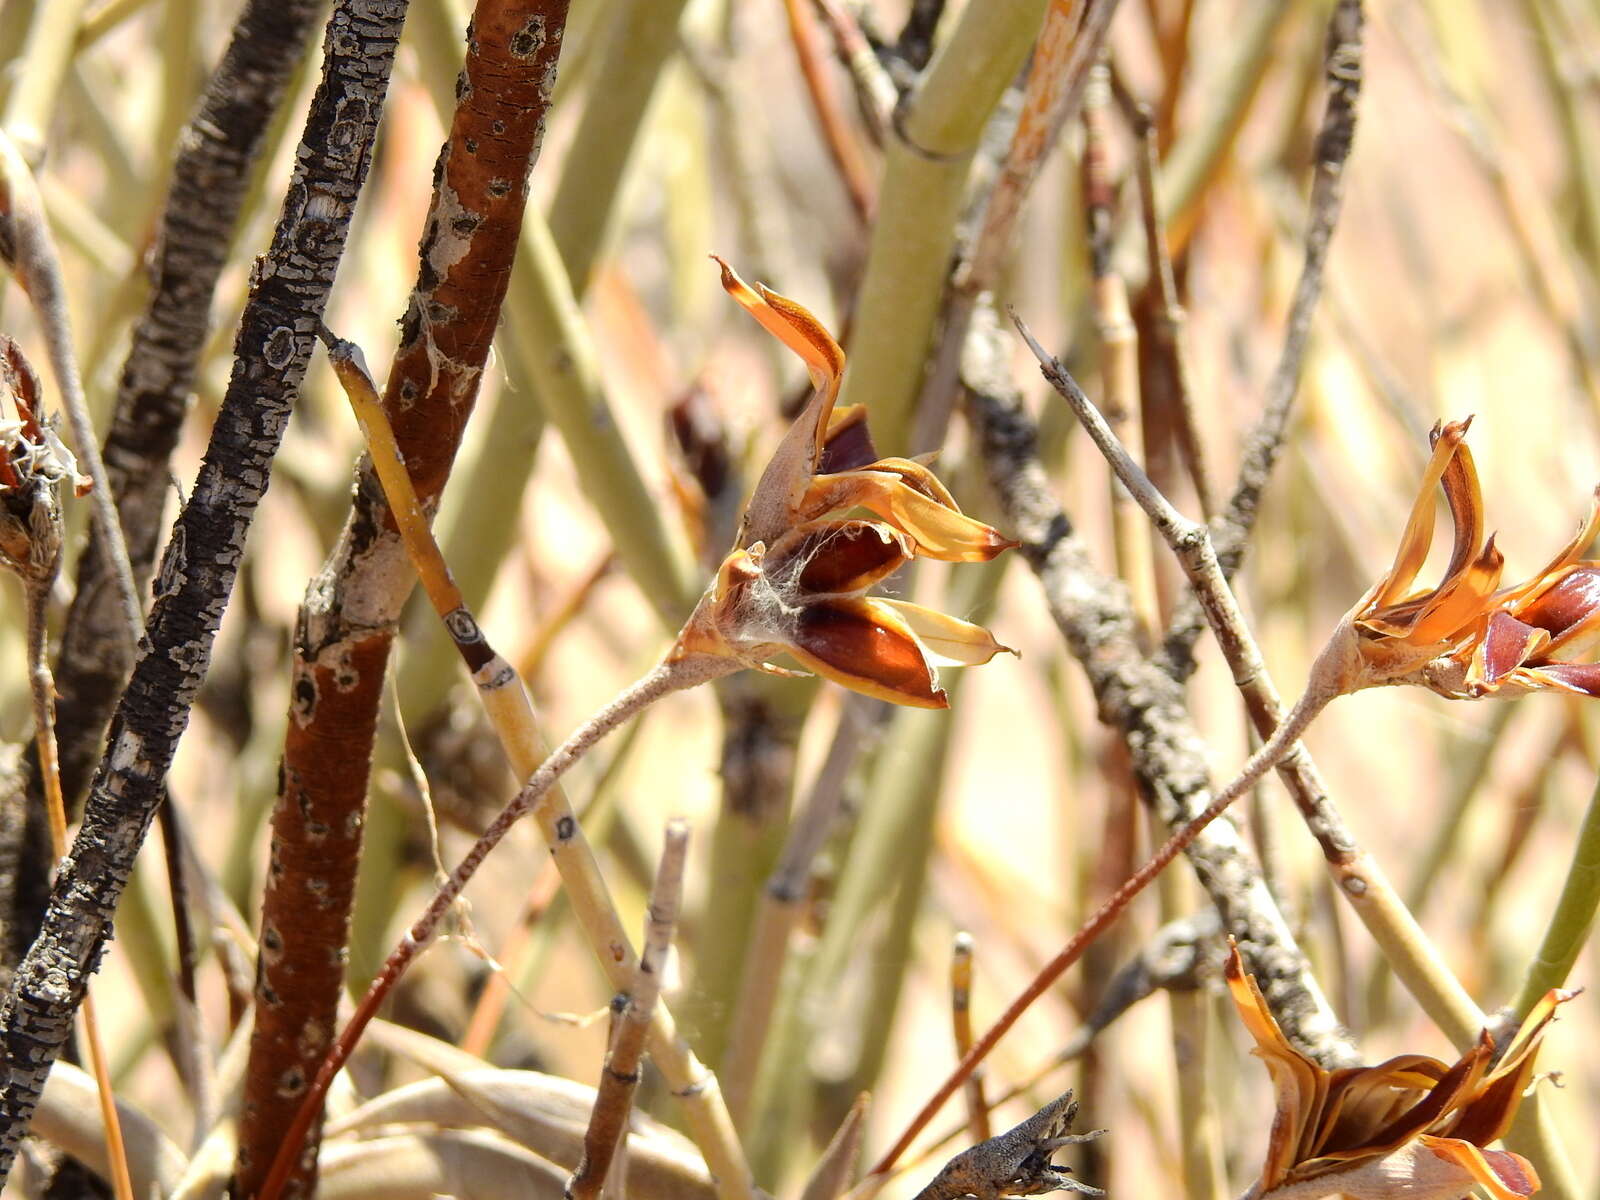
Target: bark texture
{"x":288,"y":291}
{"x":209,"y":180}
{"x":210,"y":177}
{"x":349,"y":617}
{"x":1138,"y":699}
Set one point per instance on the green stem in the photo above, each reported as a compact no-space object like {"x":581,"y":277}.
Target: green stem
{"x":1573,"y":918}
{"x":562,"y":357}
{"x":895,"y":828}
{"x":639,"y":44}
{"x":46,"y":56}
{"x":925,"y":175}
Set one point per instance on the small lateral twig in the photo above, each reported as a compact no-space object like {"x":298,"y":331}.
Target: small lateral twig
{"x":1334,"y":140}
{"x":1410,"y":952}
{"x":961,"y":1028}
{"x":619,"y":1078}
{"x":1070,"y":42}
{"x":836,"y":135}
{"x":875,"y":91}
{"x":1171,"y":319}
{"x":1119,"y":350}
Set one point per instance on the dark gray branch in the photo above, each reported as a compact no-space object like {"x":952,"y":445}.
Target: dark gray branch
{"x":288,"y":291}
{"x":209,"y":180}
{"x":1135,"y":697}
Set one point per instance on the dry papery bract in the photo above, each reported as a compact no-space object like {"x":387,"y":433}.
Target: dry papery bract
{"x":1411,"y":1127}
{"x":1467,"y":637}
{"x":795,"y":582}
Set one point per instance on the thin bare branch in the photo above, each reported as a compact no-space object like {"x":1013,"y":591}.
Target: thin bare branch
{"x":620,"y":1077}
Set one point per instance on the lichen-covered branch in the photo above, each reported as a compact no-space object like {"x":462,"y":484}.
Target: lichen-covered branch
{"x":209,"y":181}
{"x":1136,"y":698}
{"x":288,"y":291}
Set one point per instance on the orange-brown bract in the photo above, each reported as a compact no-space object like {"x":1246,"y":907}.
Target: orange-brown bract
{"x":1411,"y":1127}
{"x":795,"y":581}
{"x":1468,"y":637}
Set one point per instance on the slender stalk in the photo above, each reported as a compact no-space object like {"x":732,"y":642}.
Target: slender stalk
{"x":1134,"y":696}
{"x":510,"y":712}
{"x":620,"y":1077}
{"x":1406,"y":946}
{"x":32,"y":252}
{"x":961,"y":1027}
{"x":38,"y":599}
{"x":836,"y":136}
{"x":875,"y":91}
{"x":209,"y":181}
{"x":1256,"y":766}
{"x":535,"y":798}
{"x":1412,"y":954}
{"x":1070,"y":42}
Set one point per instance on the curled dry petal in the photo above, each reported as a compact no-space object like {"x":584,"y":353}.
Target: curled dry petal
{"x":778,"y":493}
{"x":940,"y":531}
{"x":796,"y":579}
{"x":1409,"y":1127}
{"x":1468,"y":637}
{"x":867,"y":646}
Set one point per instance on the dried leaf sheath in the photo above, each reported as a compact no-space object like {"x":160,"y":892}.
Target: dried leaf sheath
{"x":348,"y":620}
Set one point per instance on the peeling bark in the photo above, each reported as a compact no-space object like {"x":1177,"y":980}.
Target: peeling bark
{"x":288,"y":291}
{"x":348,"y":619}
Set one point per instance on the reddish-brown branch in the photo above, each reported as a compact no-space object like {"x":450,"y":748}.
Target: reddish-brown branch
{"x":842,"y":145}
{"x":348,"y":619}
